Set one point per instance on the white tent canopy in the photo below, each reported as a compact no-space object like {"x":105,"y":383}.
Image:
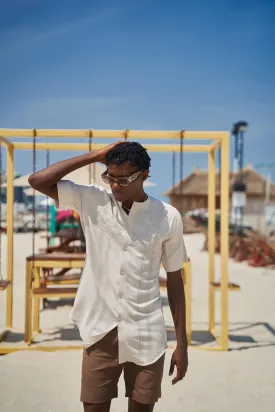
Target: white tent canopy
{"x":29,"y":192}
{"x":79,"y":176}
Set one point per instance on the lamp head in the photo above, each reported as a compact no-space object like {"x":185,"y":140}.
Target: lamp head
{"x":239,"y":126}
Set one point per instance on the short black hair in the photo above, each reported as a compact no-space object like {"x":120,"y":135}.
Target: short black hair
{"x":129,"y":152}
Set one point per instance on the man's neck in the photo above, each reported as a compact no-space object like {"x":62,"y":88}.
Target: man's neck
{"x":141,"y":197}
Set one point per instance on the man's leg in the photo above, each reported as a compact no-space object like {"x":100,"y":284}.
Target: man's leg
{"x":100,"y":374}
{"x":97,"y":407}
{"x":143,"y":385}
{"x":134,"y":406}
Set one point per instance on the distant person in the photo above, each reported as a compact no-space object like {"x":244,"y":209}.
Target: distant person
{"x":118,"y":305}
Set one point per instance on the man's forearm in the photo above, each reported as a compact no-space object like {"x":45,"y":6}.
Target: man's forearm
{"x":176,"y":298}
{"x":45,"y":180}
{"x":51,"y":175}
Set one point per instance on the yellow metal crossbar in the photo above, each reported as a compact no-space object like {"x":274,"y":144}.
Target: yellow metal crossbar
{"x":115,"y":134}
{"x":160,"y":148}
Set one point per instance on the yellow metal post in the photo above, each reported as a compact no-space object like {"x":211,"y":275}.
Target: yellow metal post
{"x":28,"y":304}
{"x":36,"y":301}
{"x":224,"y":239}
{"x":211,"y":239}
{"x":10,"y":197}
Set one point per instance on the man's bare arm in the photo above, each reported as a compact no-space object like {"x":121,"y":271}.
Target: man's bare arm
{"x":176,"y":298}
{"x":45,"y":180}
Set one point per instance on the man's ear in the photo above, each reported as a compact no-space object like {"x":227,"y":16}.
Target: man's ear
{"x":145,"y":175}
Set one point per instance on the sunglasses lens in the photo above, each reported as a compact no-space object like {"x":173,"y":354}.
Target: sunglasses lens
{"x":121,"y":181}
{"x":110,"y":180}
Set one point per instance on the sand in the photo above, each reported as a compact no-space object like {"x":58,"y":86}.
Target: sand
{"x":242,"y":379}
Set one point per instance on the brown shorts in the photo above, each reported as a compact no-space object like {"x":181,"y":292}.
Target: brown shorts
{"x":101,"y":371}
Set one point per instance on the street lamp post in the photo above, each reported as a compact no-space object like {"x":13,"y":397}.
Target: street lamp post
{"x":239,"y":187}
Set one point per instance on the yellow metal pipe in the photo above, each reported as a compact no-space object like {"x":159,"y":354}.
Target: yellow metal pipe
{"x":5,"y":142}
{"x":215,"y":145}
{"x":28,"y":304}
{"x":211,"y":237}
{"x":164,"y":148}
{"x":56,"y":263}
{"x":4,"y":350}
{"x":216,"y":348}
{"x":224,"y":240}
{"x":10,"y":198}
{"x":115,"y":134}
{"x":36,"y":301}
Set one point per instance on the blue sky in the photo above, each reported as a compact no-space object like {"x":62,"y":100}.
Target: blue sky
{"x":143,"y":64}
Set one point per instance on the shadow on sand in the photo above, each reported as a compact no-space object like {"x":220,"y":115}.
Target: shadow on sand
{"x":238,"y":340}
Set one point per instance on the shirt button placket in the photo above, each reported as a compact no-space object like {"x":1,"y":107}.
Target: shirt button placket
{"x":121,"y":283}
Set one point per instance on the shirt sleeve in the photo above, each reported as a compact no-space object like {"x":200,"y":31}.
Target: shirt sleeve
{"x":174,"y":251}
{"x":68,"y":196}
{"x":73,"y":196}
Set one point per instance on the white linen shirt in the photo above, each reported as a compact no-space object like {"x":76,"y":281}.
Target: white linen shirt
{"x":119,"y":286}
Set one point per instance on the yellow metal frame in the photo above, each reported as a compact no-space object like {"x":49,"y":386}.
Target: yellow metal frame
{"x":9,"y":268}
{"x":219,"y":139}
{"x":222,"y":343}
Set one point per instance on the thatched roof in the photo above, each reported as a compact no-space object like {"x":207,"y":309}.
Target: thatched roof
{"x":197,"y":184}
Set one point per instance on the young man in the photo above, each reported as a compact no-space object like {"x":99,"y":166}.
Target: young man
{"x":118,"y":306}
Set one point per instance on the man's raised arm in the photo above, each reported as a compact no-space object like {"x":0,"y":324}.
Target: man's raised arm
{"x":45,"y":180}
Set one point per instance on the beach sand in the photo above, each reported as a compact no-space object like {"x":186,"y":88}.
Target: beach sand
{"x":242,"y":379}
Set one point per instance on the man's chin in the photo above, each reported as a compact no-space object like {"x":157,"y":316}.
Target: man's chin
{"x":119,"y":197}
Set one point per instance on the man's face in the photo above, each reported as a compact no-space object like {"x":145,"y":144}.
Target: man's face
{"x":124,"y":193}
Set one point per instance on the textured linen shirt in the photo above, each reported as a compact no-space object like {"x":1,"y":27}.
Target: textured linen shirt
{"x":119,"y":286}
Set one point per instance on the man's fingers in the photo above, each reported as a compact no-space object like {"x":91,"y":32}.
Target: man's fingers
{"x":179,"y":376}
{"x":172,"y":366}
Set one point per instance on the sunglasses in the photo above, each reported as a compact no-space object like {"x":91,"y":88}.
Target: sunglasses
{"x":121,"y":181}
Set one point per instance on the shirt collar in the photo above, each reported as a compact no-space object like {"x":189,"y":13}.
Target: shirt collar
{"x":138,"y":206}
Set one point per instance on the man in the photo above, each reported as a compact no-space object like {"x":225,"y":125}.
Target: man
{"x":118,"y":306}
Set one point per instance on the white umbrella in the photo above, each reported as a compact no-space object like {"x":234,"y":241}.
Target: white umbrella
{"x":29,"y":192}
{"x":79,"y":176}
{"x":46,"y":202}
{"x":21,"y":181}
